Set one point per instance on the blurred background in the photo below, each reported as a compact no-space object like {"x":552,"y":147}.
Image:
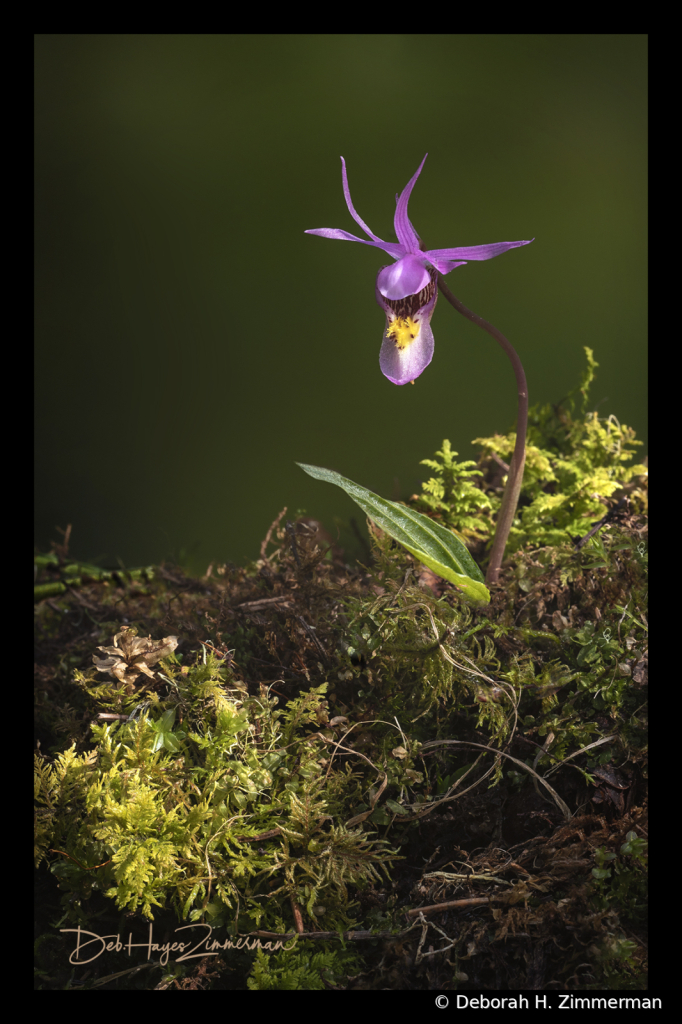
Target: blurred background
{"x":193,"y":344}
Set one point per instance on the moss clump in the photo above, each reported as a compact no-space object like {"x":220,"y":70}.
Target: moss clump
{"x":574,"y":465}
{"x":203,"y":818}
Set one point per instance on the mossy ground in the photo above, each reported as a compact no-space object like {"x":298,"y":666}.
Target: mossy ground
{"x":335,"y":747}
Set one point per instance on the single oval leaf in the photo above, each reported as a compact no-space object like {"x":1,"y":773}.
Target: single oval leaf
{"x":427,"y":540}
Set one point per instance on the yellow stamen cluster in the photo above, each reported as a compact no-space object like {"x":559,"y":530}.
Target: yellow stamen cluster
{"x":403,"y":330}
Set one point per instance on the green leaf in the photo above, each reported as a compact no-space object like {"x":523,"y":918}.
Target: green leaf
{"x":427,"y":540}
{"x":165,"y":737}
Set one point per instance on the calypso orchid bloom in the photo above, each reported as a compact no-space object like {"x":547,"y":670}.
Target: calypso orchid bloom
{"x":407,"y":290}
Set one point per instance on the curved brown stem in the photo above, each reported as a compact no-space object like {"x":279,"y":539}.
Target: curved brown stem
{"x":510,"y":497}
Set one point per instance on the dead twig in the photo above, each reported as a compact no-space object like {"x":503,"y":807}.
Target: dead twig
{"x":613,"y":513}
{"x":472,"y":901}
{"x":273,"y":526}
{"x":262,"y":602}
{"x":310,"y":630}
{"x":298,"y":917}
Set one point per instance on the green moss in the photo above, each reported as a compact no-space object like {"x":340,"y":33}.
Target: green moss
{"x":177,"y":830}
{"x":307,"y":967}
{"x":573,"y":465}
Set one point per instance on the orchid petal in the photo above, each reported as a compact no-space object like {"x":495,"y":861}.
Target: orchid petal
{"x":349,"y":203}
{"x":406,"y":277}
{"x":444,"y":266}
{"x":475,"y":252}
{"x":407,"y":236}
{"x":401,"y":367}
{"x":392,"y":248}
{"x":407,"y":348}
{"x":397,"y":200}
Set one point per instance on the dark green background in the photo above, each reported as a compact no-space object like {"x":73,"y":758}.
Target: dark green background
{"x":193,"y":342}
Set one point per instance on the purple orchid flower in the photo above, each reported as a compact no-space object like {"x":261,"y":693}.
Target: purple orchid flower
{"x":408,"y":289}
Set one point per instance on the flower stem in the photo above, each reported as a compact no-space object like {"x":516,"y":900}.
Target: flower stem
{"x":510,"y":497}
